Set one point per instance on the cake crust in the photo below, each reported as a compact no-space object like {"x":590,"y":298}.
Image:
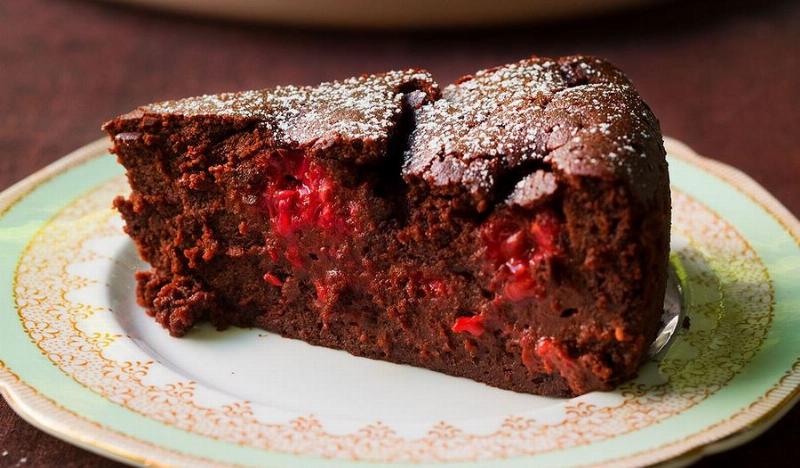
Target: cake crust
{"x":512,"y":228}
{"x":577,"y":116}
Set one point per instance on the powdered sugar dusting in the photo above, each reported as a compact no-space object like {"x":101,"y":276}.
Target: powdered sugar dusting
{"x":578,"y":114}
{"x":360,"y":108}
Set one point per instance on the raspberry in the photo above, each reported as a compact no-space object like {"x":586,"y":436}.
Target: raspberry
{"x":515,"y":246}
{"x":272,"y":279}
{"x":300,"y":195}
{"x":472,"y":325}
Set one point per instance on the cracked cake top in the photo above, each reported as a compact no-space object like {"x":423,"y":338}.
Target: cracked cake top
{"x":358,"y":116}
{"x":576,"y":116}
{"x":490,"y":136}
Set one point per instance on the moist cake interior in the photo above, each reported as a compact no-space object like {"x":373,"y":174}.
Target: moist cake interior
{"x":468,"y":231}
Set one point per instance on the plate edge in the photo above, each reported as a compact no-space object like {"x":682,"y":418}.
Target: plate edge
{"x":50,"y":417}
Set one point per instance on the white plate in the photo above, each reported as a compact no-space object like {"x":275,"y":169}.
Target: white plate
{"x":80,"y":359}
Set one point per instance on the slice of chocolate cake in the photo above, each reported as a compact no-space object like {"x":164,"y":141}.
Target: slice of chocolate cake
{"x":512,"y":229}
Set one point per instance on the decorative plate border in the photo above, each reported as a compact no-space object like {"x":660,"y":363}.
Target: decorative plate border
{"x":18,"y":393}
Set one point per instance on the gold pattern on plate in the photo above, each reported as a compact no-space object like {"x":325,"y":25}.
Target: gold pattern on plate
{"x":730,"y":308}
{"x":80,"y":430}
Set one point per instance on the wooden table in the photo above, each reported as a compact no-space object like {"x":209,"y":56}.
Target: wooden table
{"x":722,"y":76}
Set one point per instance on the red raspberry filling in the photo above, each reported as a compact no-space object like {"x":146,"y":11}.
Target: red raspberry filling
{"x":272,"y":279}
{"x":554,"y":356}
{"x":300,"y":195}
{"x":516,"y":246}
{"x":472,"y":325}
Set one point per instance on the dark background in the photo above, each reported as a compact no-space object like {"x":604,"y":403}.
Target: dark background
{"x":722,"y":76}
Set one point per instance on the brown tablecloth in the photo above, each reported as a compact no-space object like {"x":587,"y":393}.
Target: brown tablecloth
{"x":724,"y":77}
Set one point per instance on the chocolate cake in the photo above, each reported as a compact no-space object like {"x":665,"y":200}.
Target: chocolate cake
{"x":512,"y":228}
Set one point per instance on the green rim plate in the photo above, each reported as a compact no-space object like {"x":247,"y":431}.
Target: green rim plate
{"x":732,"y":374}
